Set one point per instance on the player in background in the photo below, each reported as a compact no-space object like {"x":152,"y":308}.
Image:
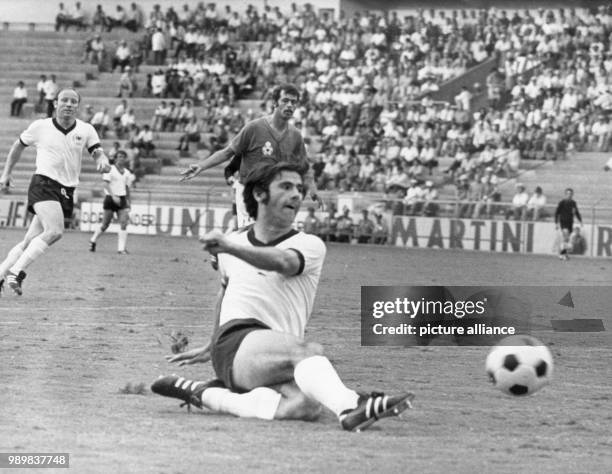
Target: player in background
{"x":60,"y":145}
{"x":270,"y":273}
{"x":564,"y":219}
{"x":117,"y":183}
{"x":268,"y":139}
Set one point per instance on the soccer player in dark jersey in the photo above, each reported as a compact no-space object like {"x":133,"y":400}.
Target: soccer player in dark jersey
{"x":269,"y":139}
{"x":564,"y":219}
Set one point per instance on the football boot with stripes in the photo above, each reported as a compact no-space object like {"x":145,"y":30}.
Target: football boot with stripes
{"x":14,"y":281}
{"x":372,"y":408}
{"x":189,"y":391}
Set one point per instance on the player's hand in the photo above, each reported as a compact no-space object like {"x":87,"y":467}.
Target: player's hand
{"x":5,"y":181}
{"x":191,"y":172}
{"x":102,"y":165}
{"x":215,"y":242}
{"x":116,"y":199}
{"x":199,"y":355}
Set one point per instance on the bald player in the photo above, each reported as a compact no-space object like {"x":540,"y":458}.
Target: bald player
{"x":60,"y":145}
{"x":268,"y":139}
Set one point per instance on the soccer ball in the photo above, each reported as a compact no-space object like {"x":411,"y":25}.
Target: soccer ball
{"x":519,"y":365}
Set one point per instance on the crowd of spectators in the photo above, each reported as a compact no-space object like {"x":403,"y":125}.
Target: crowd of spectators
{"x":372,"y":76}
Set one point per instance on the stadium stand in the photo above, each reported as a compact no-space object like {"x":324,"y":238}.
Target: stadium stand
{"x":391,"y":89}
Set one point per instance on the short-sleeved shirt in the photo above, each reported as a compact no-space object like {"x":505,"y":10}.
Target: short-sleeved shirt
{"x":118,"y":182}
{"x":258,"y":143}
{"x":284,"y":303}
{"x":59,"y":151}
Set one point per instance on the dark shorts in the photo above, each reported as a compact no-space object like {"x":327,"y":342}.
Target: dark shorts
{"x":569,"y":225}
{"x":225,"y":344}
{"x":110,"y":205}
{"x":46,"y":189}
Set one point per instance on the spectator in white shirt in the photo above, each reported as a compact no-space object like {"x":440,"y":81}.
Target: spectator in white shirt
{"x":536,"y":205}
{"x":20,"y":97}
{"x":519,"y":204}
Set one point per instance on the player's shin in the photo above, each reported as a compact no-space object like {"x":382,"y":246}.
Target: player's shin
{"x":34,"y":250}
{"x":317,"y":378}
{"x":122,"y":240}
{"x":261,"y":402}
{"x":10,"y":259}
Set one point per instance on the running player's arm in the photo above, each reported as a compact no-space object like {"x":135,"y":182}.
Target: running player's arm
{"x":12,"y":158}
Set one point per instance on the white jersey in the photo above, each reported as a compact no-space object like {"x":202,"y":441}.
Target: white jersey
{"x":118,"y":182}
{"x":283,"y":303}
{"x":59,"y":151}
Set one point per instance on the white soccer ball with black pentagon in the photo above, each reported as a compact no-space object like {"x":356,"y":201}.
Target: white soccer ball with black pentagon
{"x":519,"y":365}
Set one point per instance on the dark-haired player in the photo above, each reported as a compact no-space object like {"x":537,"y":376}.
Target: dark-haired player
{"x":268,"y":139}
{"x":270,"y":273}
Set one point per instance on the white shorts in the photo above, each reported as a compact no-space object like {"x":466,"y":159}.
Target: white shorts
{"x":242,"y":216}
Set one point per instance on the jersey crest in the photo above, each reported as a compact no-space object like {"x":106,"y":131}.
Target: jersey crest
{"x":267,"y":149}
{"x":78,"y":140}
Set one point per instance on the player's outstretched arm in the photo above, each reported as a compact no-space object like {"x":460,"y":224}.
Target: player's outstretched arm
{"x":102,"y":162}
{"x":218,"y":157}
{"x":12,"y":158}
{"x":285,"y":262}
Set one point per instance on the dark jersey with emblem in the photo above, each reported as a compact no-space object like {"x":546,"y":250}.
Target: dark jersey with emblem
{"x":259,"y":143}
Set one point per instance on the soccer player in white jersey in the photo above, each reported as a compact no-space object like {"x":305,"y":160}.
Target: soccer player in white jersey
{"x":270,"y":273}
{"x":117,"y":183}
{"x":60,"y":144}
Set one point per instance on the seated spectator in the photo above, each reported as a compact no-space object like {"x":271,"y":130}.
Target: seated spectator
{"x":158,"y":83}
{"x":51,"y":89}
{"x":101,"y":122}
{"x":311,"y":222}
{"x":99,"y":19}
{"x":577,"y":242}
{"x":536,"y":206}
{"x":122,"y":56}
{"x":79,"y":18}
{"x":430,"y":196}
{"x":144,"y":141}
{"x":191,"y":134}
{"x":381,"y":230}
{"x":486,"y":194}
{"x":463,"y":196}
{"x":365,"y":228}
{"x":329,"y":227}
{"x":170,"y":120}
{"x":94,"y":51}
{"x":135,"y":18}
{"x":127,"y":83}
{"x":185,"y":114}
{"x":160,"y":114}
{"x":413,"y":202}
{"x":126,"y":122}
{"x":40,"y":89}
{"x":518,"y":209}
{"x":112,"y":152}
{"x":62,"y":18}
{"x":20,"y":97}
{"x":345,"y":226}
{"x":120,"y":19}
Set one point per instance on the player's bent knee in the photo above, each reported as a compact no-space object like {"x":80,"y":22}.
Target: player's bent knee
{"x":51,"y":236}
{"x":305,"y":350}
